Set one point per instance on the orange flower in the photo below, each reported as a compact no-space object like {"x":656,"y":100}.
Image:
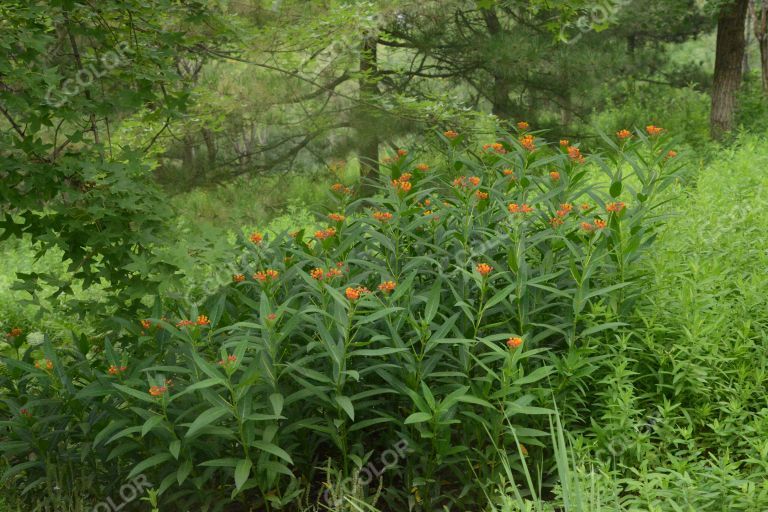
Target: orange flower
{"x":554,"y":176}
{"x":508,"y":172}
{"x":203,"y":320}
{"x":336,"y":217}
{"x":256,"y":238}
{"x":568,"y":207}
{"x":514,"y":342}
{"x":406,"y":176}
{"x":116,"y":370}
{"x":229,"y":360}
{"x":25,"y":412}
{"x":272,"y":317}
{"x":484,"y":269}
{"x":523,"y":125}
{"x":337,"y":187}
{"x":157,"y":390}
{"x":44,"y":364}
{"x":402,"y":184}
{"x":185,"y":323}
{"x":317,"y":273}
{"x":497,"y":147}
{"x":474,"y":180}
{"x":382,"y":216}
{"x":528,"y":143}
{"x":387,"y":286}
{"x":422,"y":167}
{"x":671,"y":154}
{"x":332,"y":273}
{"x":516,"y":208}
{"x":653,"y":130}
{"x":325,"y":233}
{"x":450,"y":134}
{"x":585,"y":206}
{"x":586,"y":226}
{"x":355,"y":293}
{"x":481,"y":195}
{"x":238,"y":278}
{"x":615,"y":207}
{"x":574,"y":154}
{"x":461,"y":181}
{"x":623,"y":134}
{"x":265,"y":275}
{"x":402,"y":152}
{"x":556,"y":221}
{"x":14,"y":333}
{"x":565,"y":143}
{"x":600,"y":224}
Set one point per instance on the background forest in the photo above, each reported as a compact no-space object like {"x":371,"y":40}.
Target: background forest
{"x":307,"y":255}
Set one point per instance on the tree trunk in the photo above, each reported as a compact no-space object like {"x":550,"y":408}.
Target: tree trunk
{"x":729,"y":56}
{"x":501,"y":106}
{"x":761,"y":34}
{"x":367,"y":132}
{"x":210,"y":146}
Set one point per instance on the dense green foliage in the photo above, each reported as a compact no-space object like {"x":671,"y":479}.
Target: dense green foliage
{"x":334,"y":255}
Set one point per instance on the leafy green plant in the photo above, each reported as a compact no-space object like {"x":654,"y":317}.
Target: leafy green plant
{"x":424,"y":318}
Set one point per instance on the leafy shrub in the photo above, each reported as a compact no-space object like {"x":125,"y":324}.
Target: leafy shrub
{"x":410,"y":338}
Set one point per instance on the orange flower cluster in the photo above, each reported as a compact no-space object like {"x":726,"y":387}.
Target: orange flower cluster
{"x":463,"y":181}
{"x":157,"y":390}
{"x":481,"y":195}
{"x":514,"y":342}
{"x":623,"y":134}
{"x":238,"y":278}
{"x":516,"y":208}
{"x":564,"y":210}
{"x":422,"y":167}
{"x":116,"y":370}
{"x":554,"y":176}
{"x":403,"y":183}
{"x":402,"y":152}
{"x":508,"y":172}
{"x":229,"y":360}
{"x":256,"y":238}
{"x":523,"y":125}
{"x":586,"y":226}
{"x":203,"y":320}
{"x":615,"y":207}
{"x":496,"y":147}
{"x":574,"y":154}
{"x":14,"y":332}
{"x":450,"y":134}
{"x":325,"y":233}
{"x":600,"y":224}
{"x":271,"y":317}
{"x":46,"y":364}
{"x":185,"y":323}
{"x":318,"y":273}
{"x":671,"y":154}
{"x":336,"y":217}
{"x":265,"y":275}
{"x":528,"y":143}
{"x":565,"y":143}
{"x":341,"y":189}
{"x":382,"y":216}
{"x":355,"y":293}
{"x":483,"y":269}
{"x":387,"y":286}
{"x":653,"y":130}
{"x":25,"y":412}
{"x":555,"y":222}
{"x":586,"y":206}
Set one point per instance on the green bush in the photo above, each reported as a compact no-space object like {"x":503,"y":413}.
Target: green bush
{"x":412,"y":336}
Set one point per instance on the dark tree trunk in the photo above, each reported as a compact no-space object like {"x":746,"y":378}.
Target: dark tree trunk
{"x":210,"y":146}
{"x":729,"y":57}
{"x":367,"y":134}
{"x":501,"y":106}
{"x":761,"y":34}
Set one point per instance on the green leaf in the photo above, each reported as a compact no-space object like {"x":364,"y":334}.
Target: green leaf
{"x":273,"y":449}
{"x":206,"y":419}
{"x":242,"y":472}
{"x":149,"y":463}
{"x":418,"y":417}
{"x":174,"y":447}
{"x":346,"y":404}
